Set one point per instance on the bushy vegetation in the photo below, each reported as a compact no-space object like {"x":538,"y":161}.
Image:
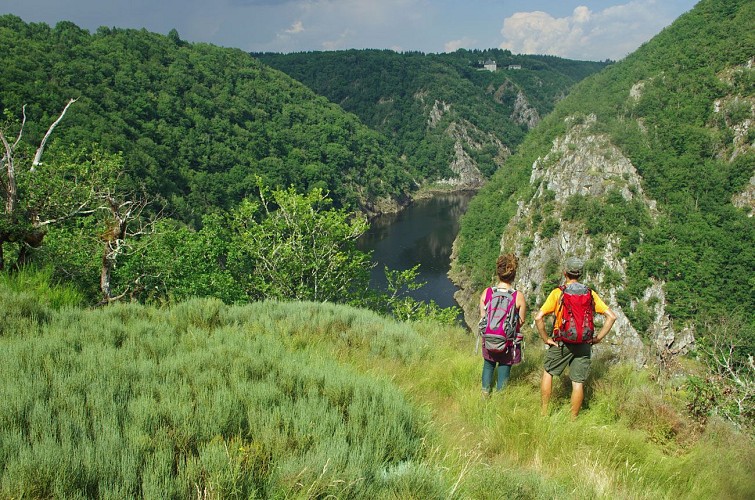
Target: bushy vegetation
{"x":194,"y":400}
{"x":302,"y":400}
{"x":394,"y":92}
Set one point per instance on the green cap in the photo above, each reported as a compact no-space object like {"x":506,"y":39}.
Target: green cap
{"x":574,"y":266}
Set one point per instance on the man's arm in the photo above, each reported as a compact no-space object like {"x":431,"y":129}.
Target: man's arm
{"x":540,"y":324}
{"x":610,"y":319}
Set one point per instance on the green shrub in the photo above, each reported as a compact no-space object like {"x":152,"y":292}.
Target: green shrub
{"x":550,"y":227}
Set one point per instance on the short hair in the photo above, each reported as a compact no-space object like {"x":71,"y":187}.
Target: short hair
{"x":505,"y":267}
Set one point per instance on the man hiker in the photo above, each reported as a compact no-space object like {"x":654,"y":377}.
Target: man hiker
{"x":570,"y":344}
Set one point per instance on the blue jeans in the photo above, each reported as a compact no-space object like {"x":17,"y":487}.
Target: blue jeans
{"x":504,"y":371}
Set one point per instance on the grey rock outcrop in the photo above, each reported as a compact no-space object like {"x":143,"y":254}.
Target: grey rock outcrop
{"x":467,"y":137}
{"x":746,"y":199}
{"x":736,"y":112}
{"x":585,"y":163}
{"x":524,"y":113}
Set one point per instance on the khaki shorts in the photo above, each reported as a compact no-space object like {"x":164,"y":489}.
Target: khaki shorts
{"x":575,"y":356}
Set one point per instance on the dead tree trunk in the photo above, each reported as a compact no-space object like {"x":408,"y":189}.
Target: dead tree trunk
{"x":10,"y":188}
{"x":120,"y":215}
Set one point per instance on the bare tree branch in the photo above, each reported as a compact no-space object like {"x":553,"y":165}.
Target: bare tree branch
{"x":38,"y":155}
{"x":21,"y":130}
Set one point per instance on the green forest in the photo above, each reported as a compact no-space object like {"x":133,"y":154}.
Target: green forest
{"x":392,"y":92}
{"x":194,"y":123}
{"x":186,"y":312}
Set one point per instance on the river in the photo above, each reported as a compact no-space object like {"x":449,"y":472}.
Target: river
{"x":423,"y":234}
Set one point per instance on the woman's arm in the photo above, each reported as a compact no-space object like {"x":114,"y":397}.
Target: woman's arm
{"x":521,"y":305}
{"x":482,"y":302}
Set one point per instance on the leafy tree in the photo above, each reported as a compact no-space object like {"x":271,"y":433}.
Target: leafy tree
{"x":39,"y":194}
{"x":180,"y":263}
{"x":727,"y":347}
{"x":292,"y":246}
{"x":398,"y":303}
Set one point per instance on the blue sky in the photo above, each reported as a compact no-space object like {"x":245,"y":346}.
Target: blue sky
{"x":587,"y":29}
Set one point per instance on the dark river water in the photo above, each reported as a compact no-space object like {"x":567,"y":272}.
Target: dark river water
{"x":421,"y":234}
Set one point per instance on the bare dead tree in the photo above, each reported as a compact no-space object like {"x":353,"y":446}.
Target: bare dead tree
{"x":32,"y":233}
{"x":125,"y":222}
{"x":40,"y":150}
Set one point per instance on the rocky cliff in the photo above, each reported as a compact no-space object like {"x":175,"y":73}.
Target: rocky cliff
{"x":466,"y":138}
{"x":582,"y":163}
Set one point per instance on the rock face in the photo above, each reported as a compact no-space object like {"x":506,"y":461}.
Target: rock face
{"x":746,"y":199}
{"x":466,"y":137}
{"x":523,"y":113}
{"x":735,"y":113}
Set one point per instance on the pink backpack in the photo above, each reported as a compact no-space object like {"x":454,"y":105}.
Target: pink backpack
{"x":499,"y":327}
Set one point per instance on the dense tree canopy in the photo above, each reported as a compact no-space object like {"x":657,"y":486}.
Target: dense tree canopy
{"x":195,"y":123}
{"x":394,"y":93}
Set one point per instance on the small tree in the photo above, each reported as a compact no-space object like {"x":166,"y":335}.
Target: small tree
{"x":727,"y":347}
{"x":293,"y":246}
{"x":124,"y":223}
{"x":398,"y":303}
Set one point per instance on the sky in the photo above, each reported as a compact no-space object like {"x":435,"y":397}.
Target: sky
{"x":586,"y":30}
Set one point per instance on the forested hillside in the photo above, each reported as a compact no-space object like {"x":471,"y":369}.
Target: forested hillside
{"x":647,"y":171}
{"x":444,"y":113}
{"x":195,"y":123}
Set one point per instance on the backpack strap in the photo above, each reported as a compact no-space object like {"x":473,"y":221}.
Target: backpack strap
{"x":489,"y":294}
{"x":511,"y":304}
{"x":559,"y":307}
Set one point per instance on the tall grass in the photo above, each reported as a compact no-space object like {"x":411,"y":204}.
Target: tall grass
{"x":199,"y":400}
{"x":37,"y":283}
{"x":27,"y":300}
{"x":632,"y":440}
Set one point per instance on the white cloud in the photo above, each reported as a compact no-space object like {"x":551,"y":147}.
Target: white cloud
{"x":297,"y":27}
{"x":610,"y":33}
{"x":581,"y":14}
{"x":462,"y":43}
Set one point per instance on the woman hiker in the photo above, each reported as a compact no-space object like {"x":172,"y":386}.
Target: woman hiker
{"x":512,"y":308}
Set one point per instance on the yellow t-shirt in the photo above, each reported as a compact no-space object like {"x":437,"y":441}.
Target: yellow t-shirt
{"x":551,"y":303}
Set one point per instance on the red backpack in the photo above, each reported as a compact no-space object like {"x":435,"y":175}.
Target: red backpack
{"x":577,"y":310}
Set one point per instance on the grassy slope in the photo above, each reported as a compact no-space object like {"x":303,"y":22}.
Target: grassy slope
{"x":301,"y":400}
